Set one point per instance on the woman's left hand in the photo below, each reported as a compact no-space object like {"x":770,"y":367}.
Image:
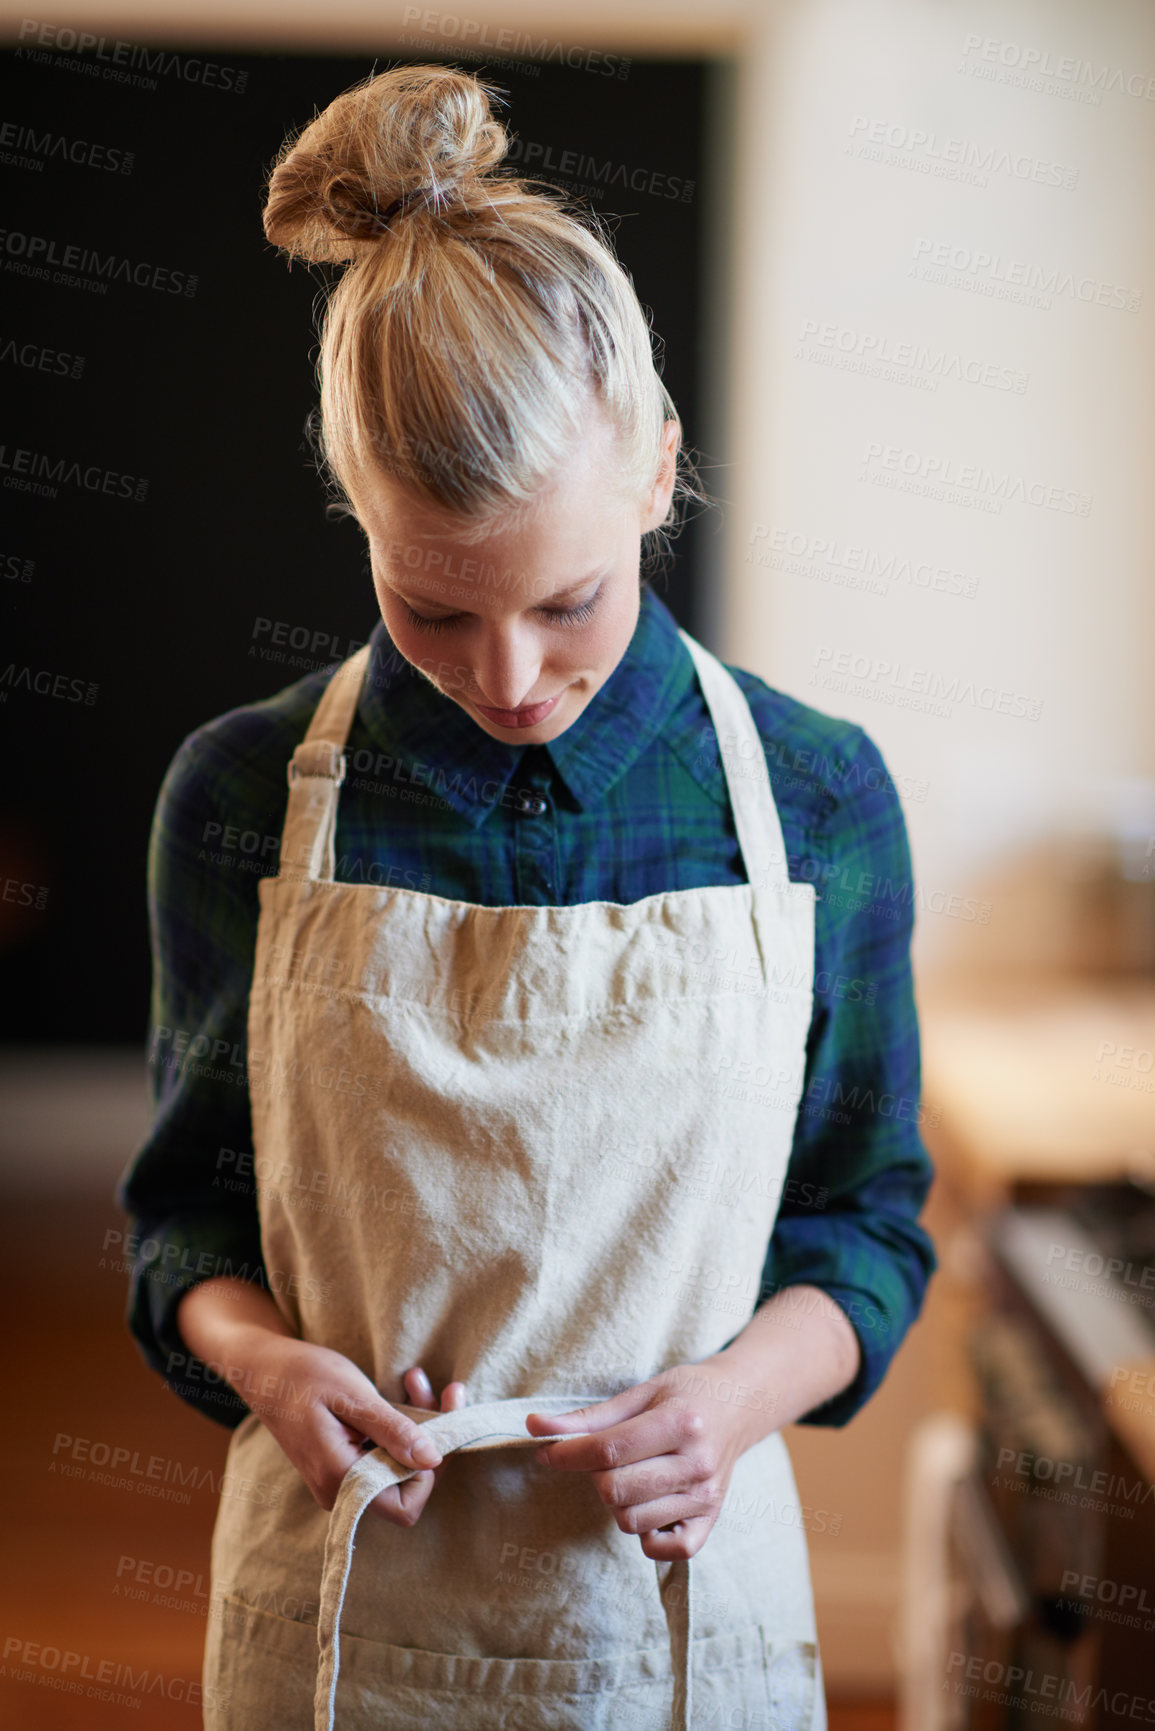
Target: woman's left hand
{"x":660,"y":1457}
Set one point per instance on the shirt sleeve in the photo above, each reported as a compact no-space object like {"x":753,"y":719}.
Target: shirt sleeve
{"x":189,"y":1190}
{"x":859,"y":1171}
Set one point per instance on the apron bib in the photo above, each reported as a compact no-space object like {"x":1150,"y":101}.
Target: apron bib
{"x":538,"y":1150}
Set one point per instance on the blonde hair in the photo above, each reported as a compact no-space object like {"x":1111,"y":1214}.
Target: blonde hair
{"x":460,"y":348}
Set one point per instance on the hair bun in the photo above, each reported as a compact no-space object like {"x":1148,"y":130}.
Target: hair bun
{"x":416,"y":130}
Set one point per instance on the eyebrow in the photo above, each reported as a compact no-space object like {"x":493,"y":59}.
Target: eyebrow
{"x":542,"y":601}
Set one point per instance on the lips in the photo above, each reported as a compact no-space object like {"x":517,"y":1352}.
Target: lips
{"x":527,"y":717}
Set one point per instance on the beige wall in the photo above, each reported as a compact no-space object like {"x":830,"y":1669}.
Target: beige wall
{"x":833,"y":241}
{"x":659,"y":26}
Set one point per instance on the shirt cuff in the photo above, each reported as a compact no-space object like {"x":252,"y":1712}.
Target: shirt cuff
{"x":898,"y":1259}
{"x":879,"y":1337}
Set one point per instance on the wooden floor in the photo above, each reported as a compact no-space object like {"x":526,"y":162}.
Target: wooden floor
{"x":104,"y":1584}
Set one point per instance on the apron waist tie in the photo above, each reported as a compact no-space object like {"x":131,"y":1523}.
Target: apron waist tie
{"x":470,"y":1429}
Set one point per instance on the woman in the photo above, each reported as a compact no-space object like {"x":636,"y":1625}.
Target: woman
{"x":543,"y":1024}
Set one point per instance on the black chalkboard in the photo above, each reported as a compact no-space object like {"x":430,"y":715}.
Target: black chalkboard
{"x":157,"y":491}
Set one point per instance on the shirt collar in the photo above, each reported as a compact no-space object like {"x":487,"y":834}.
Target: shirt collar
{"x":430,"y":741}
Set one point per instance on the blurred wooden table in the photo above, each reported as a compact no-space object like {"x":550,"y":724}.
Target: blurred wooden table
{"x":1050,"y":1079}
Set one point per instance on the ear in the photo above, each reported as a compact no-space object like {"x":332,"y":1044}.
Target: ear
{"x":657,"y":504}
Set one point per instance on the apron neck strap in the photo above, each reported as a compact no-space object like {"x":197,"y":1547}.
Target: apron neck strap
{"x":744,"y":766}
{"x":316,"y":771}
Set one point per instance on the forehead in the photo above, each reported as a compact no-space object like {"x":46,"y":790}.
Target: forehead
{"x":568,"y":534}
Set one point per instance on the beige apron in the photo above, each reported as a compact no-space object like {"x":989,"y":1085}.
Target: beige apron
{"x":538,"y":1150}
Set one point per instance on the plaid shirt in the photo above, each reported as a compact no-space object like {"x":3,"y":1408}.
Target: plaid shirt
{"x":635,"y":804}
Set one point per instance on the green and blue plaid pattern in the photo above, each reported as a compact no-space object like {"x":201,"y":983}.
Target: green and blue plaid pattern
{"x":630,"y":801}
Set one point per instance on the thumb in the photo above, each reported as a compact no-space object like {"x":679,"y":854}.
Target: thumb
{"x":399,"y":1436}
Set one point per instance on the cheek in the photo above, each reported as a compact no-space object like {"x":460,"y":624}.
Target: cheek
{"x":610,"y":637}
{"x":594,"y":649}
{"x":621,"y":617}
{"x":603,"y":642}
{"x":424,"y":651}
{"x":415,"y":644}
{"x":406,"y":639}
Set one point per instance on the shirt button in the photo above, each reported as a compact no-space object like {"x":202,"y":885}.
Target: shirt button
{"x":532,"y":804}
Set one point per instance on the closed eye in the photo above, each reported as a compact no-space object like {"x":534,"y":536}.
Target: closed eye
{"x":556,"y":615}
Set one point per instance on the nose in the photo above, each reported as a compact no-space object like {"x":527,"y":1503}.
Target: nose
{"x":507,"y":666}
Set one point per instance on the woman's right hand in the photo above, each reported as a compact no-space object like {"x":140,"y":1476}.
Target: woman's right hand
{"x":316,"y":1402}
{"x":322,"y":1410}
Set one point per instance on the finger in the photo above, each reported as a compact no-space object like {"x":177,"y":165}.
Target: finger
{"x":661,"y":1430}
{"x":452,"y":1400}
{"x":640,"y":1518}
{"x":684,"y":1539}
{"x":333,"y":1452}
{"x":419,"y":1388}
{"x":664,"y":1476}
{"x":598,"y":1416}
{"x":399,"y":1435}
{"x":401,"y":1505}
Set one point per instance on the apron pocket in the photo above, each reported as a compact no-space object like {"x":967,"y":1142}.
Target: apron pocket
{"x":792,"y":1676}
{"x":260,"y":1670}
{"x":263,"y":1675}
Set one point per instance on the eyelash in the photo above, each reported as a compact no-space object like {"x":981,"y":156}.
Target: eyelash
{"x":557,"y":615}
